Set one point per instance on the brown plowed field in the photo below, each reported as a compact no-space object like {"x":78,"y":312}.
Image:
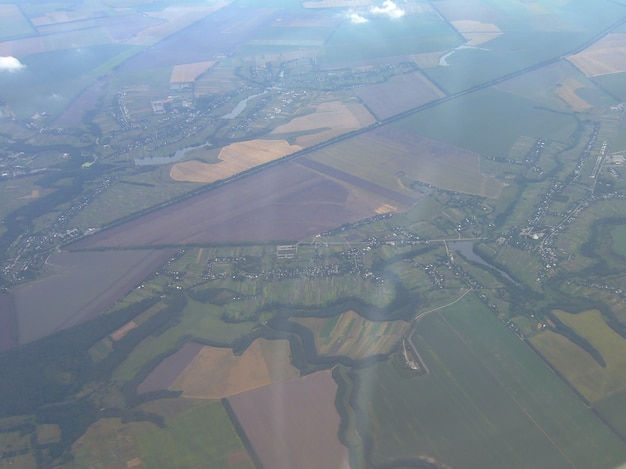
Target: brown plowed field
{"x":293,"y":424}
{"x":262,"y":207}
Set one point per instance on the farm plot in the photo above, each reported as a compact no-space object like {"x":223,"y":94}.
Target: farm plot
{"x":604,"y":57}
{"x":327,"y":120}
{"x":13,"y":23}
{"x":215,"y":373}
{"x":476,"y":32}
{"x":485,"y":389}
{"x":196,"y":434}
{"x":592,"y":380}
{"x":286,"y":202}
{"x":351,"y":335}
{"x":81,"y":286}
{"x":382,"y":155}
{"x":234,"y":159}
{"x":399,"y":94}
{"x":8,"y":326}
{"x":293,"y":424}
{"x":189,"y":72}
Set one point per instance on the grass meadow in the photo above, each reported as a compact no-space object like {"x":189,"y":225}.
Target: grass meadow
{"x":486,"y":389}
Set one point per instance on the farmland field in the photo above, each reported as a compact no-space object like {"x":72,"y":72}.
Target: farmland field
{"x":215,"y":373}
{"x":485,"y":389}
{"x":328,"y":119}
{"x":379,"y":156}
{"x":618,"y":236}
{"x":293,"y":424}
{"x":604,"y":57}
{"x":484,"y":122}
{"x":13,"y":23}
{"x":385,"y":101}
{"x":80,"y":286}
{"x":591,"y":379}
{"x":197,"y":434}
{"x":282,"y":203}
{"x":353,"y":336}
{"x":234,"y":159}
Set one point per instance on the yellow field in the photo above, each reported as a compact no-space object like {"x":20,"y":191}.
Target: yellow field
{"x":604,"y":57}
{"x":476,"y":32}
{"x":567,"y":93}
{"x":354,"y":336}
{"x":235,"y":158}
{"x":122,"y":331}
{"x":189,"y":72}
{"x":329,"y":120}
{"x":427,"y":59}
{"x":337,"y":3}
{"x":215,"y":373}
{"x":579,"y":368}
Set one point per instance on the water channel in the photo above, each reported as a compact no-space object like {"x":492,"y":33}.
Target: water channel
{"x":466,"y":249}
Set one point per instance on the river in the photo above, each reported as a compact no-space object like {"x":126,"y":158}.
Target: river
{"x":466,"y":248}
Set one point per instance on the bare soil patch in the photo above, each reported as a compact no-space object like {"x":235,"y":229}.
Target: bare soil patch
{"x":427,"y":59}
{"x":293,"y":424}
{"x":235,"y":158}
{"x":400,"y":93}
{"x":604,"y":57}
{"x":567,"y":92}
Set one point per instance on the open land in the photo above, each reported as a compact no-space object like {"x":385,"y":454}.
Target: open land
{"x":281,"y":203}
{"x":13,"y":23}
{"x":476,"y":32}
{"x":327,"y":120}
{"x":592,"y":380}
{"x":603,"y":57}
{"x":196,"y":434}
{"x":234,"y":159}
{"x":80,"y":286}
{"x":482,"y":388}
{"x":215,"y":373}
{"x":399,"y":94}
{"x":382,"y":154}
{"x":189,"y":72}
{"x":293,"y":424}
{"x":353,"y":336}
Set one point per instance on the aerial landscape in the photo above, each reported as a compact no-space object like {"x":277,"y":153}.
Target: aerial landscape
{"x":321,"y":234}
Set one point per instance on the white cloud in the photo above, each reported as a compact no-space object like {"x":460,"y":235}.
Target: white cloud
{"x":388,"y":9}
{"x":10,"y":64}
{"x":355,"y":18}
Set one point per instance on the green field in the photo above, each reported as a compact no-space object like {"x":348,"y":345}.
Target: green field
{"x":13,"y":24}
{"x":591,"y":379}
{"x":351,"y":335}
{"x":196,"y":434}
{"x":486,"y":389}
{"x":618,"y":236}
{"x":198,"y":320}
{"x":488,"y":122}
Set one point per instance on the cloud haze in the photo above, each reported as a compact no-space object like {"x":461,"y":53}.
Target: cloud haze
{"x":10,"y":64}
{"x":389,"y":9}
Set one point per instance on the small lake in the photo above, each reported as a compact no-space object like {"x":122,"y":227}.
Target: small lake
{"x":466,"y":248}
{"x":241,"y":105}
